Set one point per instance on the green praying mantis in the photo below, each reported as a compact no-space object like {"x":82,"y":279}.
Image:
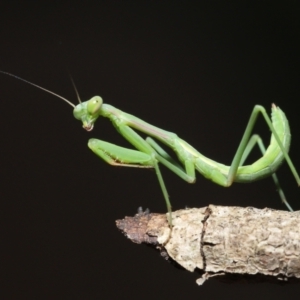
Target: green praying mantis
{"x":149,"y":153}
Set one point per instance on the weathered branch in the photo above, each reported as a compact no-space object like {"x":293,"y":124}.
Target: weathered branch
{"x":224,"y":240}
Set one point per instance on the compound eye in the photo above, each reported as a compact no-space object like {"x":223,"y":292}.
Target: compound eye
{"x":94,"y":105}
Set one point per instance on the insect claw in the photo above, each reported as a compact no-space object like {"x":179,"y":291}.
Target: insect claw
{"x":141,"y":212}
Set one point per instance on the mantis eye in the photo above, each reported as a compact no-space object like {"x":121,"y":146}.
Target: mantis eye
{"x":94,"y":105}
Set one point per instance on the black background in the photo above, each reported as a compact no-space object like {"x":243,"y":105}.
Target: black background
{"x":193,"y":69}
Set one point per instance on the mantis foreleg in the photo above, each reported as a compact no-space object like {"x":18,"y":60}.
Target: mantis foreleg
{"x":120,"y":156}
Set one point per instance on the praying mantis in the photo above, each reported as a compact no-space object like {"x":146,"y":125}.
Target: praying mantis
{"x":149,"y":153}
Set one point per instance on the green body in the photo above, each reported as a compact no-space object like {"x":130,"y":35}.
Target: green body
{"x":149,"y":153}
{"x":210,"y":169}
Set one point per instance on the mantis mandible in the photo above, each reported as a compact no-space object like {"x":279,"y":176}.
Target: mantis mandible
{"x":149,"y":153}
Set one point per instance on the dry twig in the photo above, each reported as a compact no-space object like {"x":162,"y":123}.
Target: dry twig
{"x":222,"y":240}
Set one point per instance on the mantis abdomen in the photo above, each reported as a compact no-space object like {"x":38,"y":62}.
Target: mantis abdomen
{"x":265,"y":166}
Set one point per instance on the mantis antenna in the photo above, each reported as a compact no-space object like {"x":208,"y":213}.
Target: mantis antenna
{"x":54,"y":94}
{"x":75,"y":88}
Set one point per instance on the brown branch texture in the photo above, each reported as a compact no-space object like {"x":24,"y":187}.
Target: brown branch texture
{"x":220,"y":240}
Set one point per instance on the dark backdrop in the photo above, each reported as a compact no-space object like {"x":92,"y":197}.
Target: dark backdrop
{"x":196,"y":70}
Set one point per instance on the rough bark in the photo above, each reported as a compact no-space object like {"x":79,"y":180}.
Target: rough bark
{"x":221,"y":240}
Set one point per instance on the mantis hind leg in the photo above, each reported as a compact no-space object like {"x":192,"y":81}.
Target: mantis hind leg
{"x":123,"y":157}
{"x":256,"y":139}
{"x":247,"y":144}
{"x":120,"y":156}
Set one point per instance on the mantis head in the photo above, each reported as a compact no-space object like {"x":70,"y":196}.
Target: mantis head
{"x":88,"y":112}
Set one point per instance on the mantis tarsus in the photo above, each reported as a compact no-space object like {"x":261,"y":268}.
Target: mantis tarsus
{"x":149,"y":154}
